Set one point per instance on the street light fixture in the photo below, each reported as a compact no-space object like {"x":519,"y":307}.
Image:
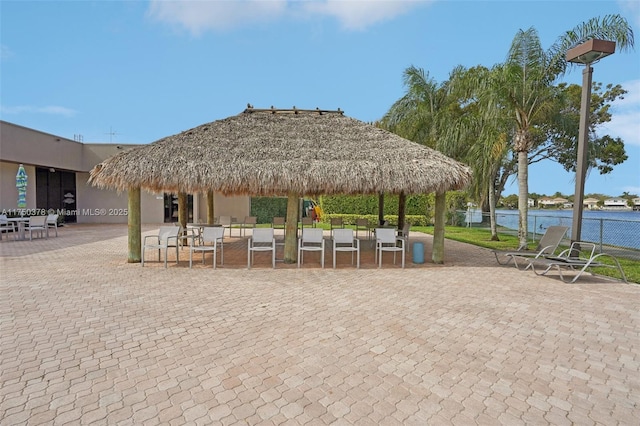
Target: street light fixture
{"x":586,"y":53}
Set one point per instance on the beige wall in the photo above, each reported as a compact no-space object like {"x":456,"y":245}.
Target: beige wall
{"x":107,"y":206}
{"x":8,"y":190}
{"x":234,"y":206}
{"x":21,"y":145}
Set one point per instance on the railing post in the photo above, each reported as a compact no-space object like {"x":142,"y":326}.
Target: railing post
{"x":601,"y":233}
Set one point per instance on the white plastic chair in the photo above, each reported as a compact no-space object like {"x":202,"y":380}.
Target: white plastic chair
{"x":386,"y":240}
{"x":6,"y":226}
{"x":37,"y":224}
{"x":343,"y":241}
{"x":52,"y":222}
{"x":209,"y":238}
{"x":248,"y":223}
{"x":226,"y":222}
{"x":404,"y":234}
{"x":261,"y":240}
{"x":162,"y":241}
{"x":311,"y":240}
{"x":336,"y":223}
{"x":362,"y":224}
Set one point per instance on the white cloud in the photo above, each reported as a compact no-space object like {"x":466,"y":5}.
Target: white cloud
{"x":200,"y":16}
{"x":359,"y":14}
{"x":28,"y":109}
{"x":625,"y":119}
{"x":215,"y":15}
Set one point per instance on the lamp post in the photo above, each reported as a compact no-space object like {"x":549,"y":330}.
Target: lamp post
{"x":586,"y":53}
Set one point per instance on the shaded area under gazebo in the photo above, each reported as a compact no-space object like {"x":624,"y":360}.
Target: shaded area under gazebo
{"x":278,"y":152}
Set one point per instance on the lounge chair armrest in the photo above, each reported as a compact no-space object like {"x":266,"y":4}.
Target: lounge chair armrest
{"x":542,"y":251}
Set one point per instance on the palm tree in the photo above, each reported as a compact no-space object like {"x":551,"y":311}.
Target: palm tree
{"x":482,"y":128}
{"x":524,"y":85}
{"x":423,"y":115}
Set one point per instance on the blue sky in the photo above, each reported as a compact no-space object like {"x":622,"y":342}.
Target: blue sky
{"x":136,"y":71}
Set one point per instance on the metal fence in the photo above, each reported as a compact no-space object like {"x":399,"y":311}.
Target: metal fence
{"x":617,"y":236}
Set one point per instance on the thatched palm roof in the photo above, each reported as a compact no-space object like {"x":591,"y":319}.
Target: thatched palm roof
{"x":276,"y":152}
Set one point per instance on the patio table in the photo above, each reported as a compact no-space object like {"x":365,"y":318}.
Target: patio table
{"x":20,"y":222}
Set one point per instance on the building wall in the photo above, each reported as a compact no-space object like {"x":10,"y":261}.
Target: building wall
{"x":33,"y":148}
{"x":234,"y":206}
{"x":8,"y":190}
{"x":27,"y":146}
{"x":97,"y":205}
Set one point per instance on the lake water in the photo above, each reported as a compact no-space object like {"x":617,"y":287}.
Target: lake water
{"x":618,"y":228}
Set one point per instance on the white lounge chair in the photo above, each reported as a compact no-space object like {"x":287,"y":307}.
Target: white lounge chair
{"x":547,"y":245}
{"x":569,"y":261}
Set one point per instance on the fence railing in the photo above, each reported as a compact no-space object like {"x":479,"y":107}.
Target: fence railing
{"x":619,"y":237}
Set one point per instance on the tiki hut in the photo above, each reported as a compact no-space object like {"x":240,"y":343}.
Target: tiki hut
{"x":283,"y":152}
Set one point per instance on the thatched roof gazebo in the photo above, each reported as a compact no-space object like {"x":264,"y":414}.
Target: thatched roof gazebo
{"x":282,"y":152}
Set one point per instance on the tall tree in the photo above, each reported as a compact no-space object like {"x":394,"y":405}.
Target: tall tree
{"x":423,"y":115}
{"x":483,"y":129}
{"x":524,"y":85}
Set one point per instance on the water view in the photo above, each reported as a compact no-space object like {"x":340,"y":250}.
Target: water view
{"x":616,"y":228}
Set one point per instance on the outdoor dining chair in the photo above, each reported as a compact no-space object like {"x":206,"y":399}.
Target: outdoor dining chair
{"x":362,"y":224}
{"x":52,"y":222}
{"x":311,"y":240}
{"x":226,"y":222}
{"x":6,"y":226}
{"x":249,"y":222}
{"x":335,"y":223}
{"x":37,"y":224}
{"x":387,"y":240}
{"x":162,"y":241}
{"x":343,"y":241}
{"x":404,"y":234}
{"x":210,"y":238}
{"x":261,"y":240}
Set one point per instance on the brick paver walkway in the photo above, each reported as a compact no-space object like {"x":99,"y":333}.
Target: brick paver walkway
{"x":86,"y":338}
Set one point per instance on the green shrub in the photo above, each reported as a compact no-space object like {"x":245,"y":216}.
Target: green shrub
{"x":350,"y":219}
{"x":421,"y":204}
{"x":266,"y":208}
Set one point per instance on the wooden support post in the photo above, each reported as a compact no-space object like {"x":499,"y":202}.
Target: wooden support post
{"x":437,"y":254}
{"x":182,"y":209}
{"x":291,"y":230}
{"x":210,"y":211}
{"x":380,"y":208}
{"x":402,"y":204}
{"x":135,"y":230}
